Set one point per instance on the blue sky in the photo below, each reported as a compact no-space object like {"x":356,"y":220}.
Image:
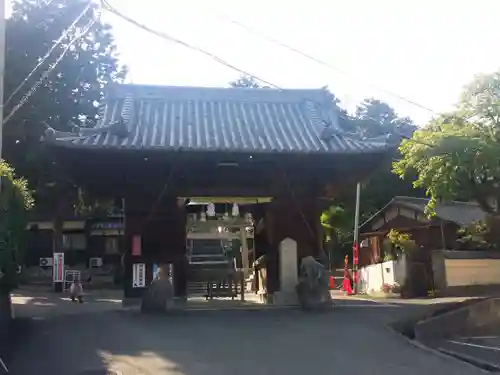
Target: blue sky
{"x":425,"y":50}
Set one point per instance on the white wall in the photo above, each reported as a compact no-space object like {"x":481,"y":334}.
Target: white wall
{"x":371,"y":278}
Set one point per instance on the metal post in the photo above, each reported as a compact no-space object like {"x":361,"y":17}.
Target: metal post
{"x":2,"y":68}
{"x":355,"y":258}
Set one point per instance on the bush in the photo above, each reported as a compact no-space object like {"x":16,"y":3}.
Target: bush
{"x":15,"y":200}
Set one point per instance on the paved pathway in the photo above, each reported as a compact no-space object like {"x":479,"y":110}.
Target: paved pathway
{"x":350,"y":339}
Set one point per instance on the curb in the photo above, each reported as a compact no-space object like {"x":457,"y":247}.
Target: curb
{"x":484,"y":365}
{"x":432,"y":351}
{"x":221,"y":309}
{"x":445,"y":324}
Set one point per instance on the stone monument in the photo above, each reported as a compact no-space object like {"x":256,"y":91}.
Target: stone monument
{"x":313,"y":289}
{"x":288,"y":271}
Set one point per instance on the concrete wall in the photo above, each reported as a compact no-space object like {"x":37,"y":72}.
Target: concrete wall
{"x":472,"y":271}
{"x":373,"y":277}
{"x":476,"y":318}
{"x":459,"y":272}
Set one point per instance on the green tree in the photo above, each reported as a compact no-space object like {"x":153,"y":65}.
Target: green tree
{"x":374,"y":118}
{"x":247,"y":81}
{"x":337,"y":223}
{"x":371,"y":119}
{"x":456,"y":155}
{"x":70,"y":94}
{"x":15,"y":200}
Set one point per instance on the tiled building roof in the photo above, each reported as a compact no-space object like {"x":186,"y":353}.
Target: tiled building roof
{"x":218,"y":119}
{"x":461,"y":213}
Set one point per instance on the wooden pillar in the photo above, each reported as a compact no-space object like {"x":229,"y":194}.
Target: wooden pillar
{"x":294,"y":215}
{"x":244,"y":251}
{"x":135,"y":212}
{"x":57,"y":247}
{"x":62,"y":206}
{"x":160,"y":227}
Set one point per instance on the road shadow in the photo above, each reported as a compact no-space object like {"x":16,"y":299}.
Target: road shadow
{"x":221,"y":342}
{"x":41,"y":305}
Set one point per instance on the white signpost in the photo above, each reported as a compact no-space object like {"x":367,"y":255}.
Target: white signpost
{"x":139,"y":275}
{"x":58,"y":268}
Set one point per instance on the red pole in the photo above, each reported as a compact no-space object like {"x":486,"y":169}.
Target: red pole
{"x":355,"y":263}
{"x":347,"y":281}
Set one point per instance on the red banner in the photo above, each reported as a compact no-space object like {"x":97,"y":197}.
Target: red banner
{"x":136,"y":245}
{"x":355,"y":253}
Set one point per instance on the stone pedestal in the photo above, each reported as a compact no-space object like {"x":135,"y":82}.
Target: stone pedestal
{"x":158,"y":297}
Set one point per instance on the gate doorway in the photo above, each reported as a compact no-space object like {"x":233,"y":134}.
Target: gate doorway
{"x":220,"y":252}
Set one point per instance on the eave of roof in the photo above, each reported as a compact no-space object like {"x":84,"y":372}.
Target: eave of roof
{"x":158,"y":118}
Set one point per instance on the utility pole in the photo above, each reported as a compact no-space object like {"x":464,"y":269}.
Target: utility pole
{"x":3,"y":5}
{"x":355,"y":246}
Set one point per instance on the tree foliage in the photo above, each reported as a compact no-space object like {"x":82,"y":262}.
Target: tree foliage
{"x":374,"y":118}
{"x":397,"y":243}
{"x":456,"y":156}
{"x":70,"y":94}
{"x":248,"y":82}
{"x":15,"y":200}
{"x":474,"y":236}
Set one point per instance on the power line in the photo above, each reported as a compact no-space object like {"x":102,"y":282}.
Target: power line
{"x":317,"y":60}
{"x":47,"y":55}
{"x":45,"y":74}
{"x":170,"y":38}
{"x":105,"y":5}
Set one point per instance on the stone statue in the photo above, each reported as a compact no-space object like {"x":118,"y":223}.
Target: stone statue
{"x":160,"y":295}
{"x":313,"y":288}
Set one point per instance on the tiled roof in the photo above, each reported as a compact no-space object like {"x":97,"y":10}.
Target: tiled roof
{"x":461,"y":213}
{"x":218,"y":119}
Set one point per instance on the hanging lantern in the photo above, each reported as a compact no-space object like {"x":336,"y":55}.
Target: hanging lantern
{"x":226,"y":216}
{"x":211,"y":210}
{"x":235,"y":211}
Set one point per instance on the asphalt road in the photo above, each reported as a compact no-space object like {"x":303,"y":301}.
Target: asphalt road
{"x":350,"y":339}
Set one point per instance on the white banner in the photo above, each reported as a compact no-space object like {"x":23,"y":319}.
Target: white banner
{"x":58,"y":268}
{"x":138,"y":275}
